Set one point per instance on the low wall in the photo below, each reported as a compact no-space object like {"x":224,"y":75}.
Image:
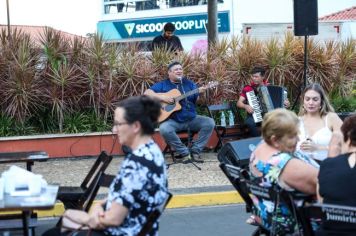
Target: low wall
{"x":74,"y":145}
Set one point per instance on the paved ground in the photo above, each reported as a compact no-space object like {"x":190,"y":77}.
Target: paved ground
{"x":182,"y":178}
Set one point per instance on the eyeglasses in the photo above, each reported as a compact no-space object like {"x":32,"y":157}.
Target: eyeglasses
{"x":120,"y":123}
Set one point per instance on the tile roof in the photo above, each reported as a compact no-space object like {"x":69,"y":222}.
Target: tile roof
{"x":347,"y":14}
{"x":36,"y":31}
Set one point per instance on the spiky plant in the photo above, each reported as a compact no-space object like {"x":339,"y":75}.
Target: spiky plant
{"x":160,"y":58}
{"x":322,"y":63}
{"x":96,"y":68}
{"x":346,"y":74}
{"x":248,"y":54}
{"x":136,"y":72}
{"x":20,"y":85}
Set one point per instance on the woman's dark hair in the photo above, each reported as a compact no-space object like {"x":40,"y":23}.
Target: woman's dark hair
{"x":143,"y":109}
{"x":348,"y":129}
{"x":169,"y":27}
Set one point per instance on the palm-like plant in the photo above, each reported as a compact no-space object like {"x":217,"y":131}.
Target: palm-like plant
{"x":322,"y":63}
{"x":346,"y":74}
{"x":136,"y":72}
{"x":20,"y":84}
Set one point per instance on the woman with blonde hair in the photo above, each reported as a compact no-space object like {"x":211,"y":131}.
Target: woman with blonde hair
{"x":275,"y":162}
{"x":318,"y":122}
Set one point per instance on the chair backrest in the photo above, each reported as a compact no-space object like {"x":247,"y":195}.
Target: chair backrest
{"x":238,"y":152}
{"x":154,"y":215}
{"x":90,"y":184}
{"x":330,"y":214}
{"x":233,"y":174}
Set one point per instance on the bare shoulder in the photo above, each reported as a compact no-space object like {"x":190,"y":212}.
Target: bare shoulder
{"x":334,"y":121}
{"x":332,"y":116}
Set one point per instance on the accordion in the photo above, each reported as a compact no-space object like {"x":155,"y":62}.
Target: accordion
{"x":266,"y":99}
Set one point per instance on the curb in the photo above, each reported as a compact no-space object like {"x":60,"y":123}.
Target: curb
{"x":177,"y":201}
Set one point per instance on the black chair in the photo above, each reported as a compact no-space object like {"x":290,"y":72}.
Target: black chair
{"x":81,"y":197}
{"x":330,"y":214}
{"x":227,"y":133}
{"x":240,"y":180}
{"x":153,"y":216}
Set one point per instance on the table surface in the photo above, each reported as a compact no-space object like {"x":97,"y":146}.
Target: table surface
{"x":9,"y":157}
{"x":45,"y":200}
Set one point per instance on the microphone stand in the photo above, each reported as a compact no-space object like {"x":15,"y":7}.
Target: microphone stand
{"x":192,"y":161}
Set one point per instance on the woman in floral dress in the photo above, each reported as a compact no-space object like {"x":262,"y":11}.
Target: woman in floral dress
{"x":275,"y":163}
{"x":141,"y":184}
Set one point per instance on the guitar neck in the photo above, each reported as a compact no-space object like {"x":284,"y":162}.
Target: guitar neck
{"x":187,"y":94}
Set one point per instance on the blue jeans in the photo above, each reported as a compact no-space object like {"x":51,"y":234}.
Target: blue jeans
{"x":201,"y":124}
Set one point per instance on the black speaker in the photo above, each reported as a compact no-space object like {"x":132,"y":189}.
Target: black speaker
{"x":237,"y":153}
{"x":305,"y":17}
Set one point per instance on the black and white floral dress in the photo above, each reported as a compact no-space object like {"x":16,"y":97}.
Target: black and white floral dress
{"x":140,"y":186}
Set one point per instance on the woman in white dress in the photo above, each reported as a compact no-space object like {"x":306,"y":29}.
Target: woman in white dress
{"x":318,"y":121}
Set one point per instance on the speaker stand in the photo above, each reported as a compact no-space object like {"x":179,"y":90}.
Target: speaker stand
{"x":302,"y":87}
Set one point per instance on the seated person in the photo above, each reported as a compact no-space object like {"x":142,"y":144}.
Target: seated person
{"x":185,"y":118}
{"x":318,"y":122}
{"x":336,"y":179}
{"x":257,"y":80}
{"x":141,"y":184}
{"x":275,"y":162}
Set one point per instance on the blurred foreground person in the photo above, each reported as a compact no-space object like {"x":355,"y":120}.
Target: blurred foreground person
{"x":275,"y":162}
{"x":336,"y":179}
{"x":138,"y":188}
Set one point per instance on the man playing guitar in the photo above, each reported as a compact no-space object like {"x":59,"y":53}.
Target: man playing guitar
{"x":184,"y":119}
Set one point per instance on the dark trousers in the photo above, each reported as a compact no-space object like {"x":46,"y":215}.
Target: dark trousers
{"x":254,"y":131}
{"x":57,"y":232}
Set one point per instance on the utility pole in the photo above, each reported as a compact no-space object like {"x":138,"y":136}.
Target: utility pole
{"x":212,"y":22}
{"x":8,"y":20}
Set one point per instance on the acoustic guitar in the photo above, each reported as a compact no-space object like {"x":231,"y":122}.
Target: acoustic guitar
{"x":168,"y":108}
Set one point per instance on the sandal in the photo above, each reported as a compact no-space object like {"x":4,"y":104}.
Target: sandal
{"x":252,"y":220}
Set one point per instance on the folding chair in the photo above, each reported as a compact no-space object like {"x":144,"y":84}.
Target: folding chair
{"x":240,"y":180}
{"x":82,"y":197}
{"x":331,"y":215}
{"x":227,"y":133}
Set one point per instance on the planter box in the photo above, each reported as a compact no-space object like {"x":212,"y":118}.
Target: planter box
{"x":74,"y":145}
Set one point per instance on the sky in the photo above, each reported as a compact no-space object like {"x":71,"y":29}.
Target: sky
{"x":80,"y":16}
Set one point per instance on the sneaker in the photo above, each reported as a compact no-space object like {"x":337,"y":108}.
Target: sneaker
{"x":197,"y":158}
{"x":183,"y":159}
